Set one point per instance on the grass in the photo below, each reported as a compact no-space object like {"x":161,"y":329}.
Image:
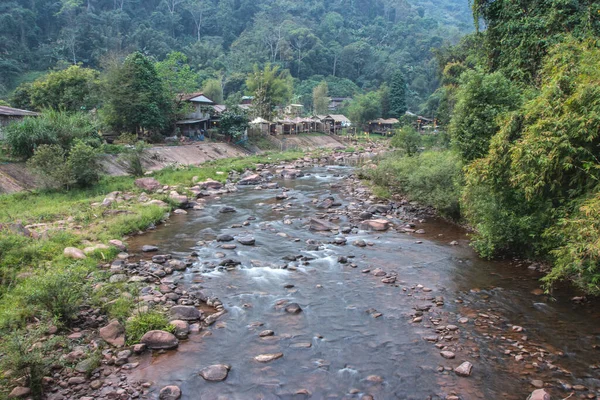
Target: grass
{"x":143,"y":322}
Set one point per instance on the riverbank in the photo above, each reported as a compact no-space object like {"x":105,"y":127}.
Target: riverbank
{"x":53,"y":243}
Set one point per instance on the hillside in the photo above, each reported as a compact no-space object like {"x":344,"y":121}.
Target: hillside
{"x":359,"y":41}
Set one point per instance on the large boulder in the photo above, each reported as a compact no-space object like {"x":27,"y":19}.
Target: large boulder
{"x":19,"y":392}
{"x":160,"y":340}
{"x":113,"y":333}
{"x":321,"y":225}
{"x":74,"y":253}
{"x":186,"y":313}
{"x":376,"y":224}
{"x":182,"y":328}
{"x":180,"y":200}
{"x":149,"y":184}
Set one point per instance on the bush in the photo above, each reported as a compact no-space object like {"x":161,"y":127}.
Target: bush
{"x":52,"y":127}
{"x":143,"y":322}
{"x":56,"y":170}
{"x":133,"y":159}
{"x":407,"y":140}
{"x":432,"y":178}
{"x":84,"y":164}
{"x":25,"y":359}
{"x":50,"y":166}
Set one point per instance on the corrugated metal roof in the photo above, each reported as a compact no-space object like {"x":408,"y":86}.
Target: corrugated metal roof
{"x":16,"y":112}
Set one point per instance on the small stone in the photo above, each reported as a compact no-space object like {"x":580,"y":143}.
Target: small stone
{"x":186,"y":313}
{"x":293,"y":308}
{"x":149,"y":248}
{"x":447,"y":354}
{"x":113,"y":333}
{"x":170,"y":393}
{"x":215,"y":373}
{"x":224,"y":238}
{"x":539,"y":394}
{"x":160,"y":340}
{"x":266,"y":333}
{"x":247,"y":240}
{"x":74,"y":253}
{"x":537,"y":383}
{"x":268,"y":357}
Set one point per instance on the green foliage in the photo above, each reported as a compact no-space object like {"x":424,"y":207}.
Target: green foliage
{"x":432,"y":178}
{"x":84,"y":164}
{"x":49,"y":164}
{"x":321,"y":99}
{"x":143,"y":322}
{"x":51,"y":128}
{"x":481,"y":99}
{"x":233,"y":123}
{"x":71,"y":89}
{"x":270,"y":87}
{"x":213,"y":89}
{"x":408,"y":140}
{"x":397,"y":95}
{"x":133,"y":159}
{"x":177,"y":75}
{"x":135,"y":97}
{"x":365,"y":107}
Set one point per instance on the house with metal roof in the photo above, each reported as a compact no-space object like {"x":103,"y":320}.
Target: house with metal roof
{"x":9,"y":114}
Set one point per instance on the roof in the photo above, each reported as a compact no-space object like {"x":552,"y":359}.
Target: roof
{"x":219,"y":108}
{"x":191,"y":121}
{"x":16,"y":112}
{"x":260,"y":121}
{"x":197,"y":97}
{"x":337,"y":118}
{"x":389,"y":121}
{"x":340,"y":99}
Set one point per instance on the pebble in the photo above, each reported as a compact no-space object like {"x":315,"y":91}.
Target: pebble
{"x":464,"y":369}
{"x":263,"y":358}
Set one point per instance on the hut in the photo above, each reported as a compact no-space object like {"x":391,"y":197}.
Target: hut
{"x":382,"y":125}
{"x":334,"y":123}
{"x":261,"y":125}
{"x":9,"y":114}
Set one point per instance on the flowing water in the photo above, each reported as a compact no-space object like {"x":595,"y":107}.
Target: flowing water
{"x":336,"y":348}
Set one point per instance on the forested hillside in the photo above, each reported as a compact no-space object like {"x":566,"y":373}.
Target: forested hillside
{"x":363,"y":41}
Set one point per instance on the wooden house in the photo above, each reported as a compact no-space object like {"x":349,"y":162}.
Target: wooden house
{"x":9,"y":114}
{"x":334,"y":123}
{"x":382,"y":125}
{"x":200,"y":117}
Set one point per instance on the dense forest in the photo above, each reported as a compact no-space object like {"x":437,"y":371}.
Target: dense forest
{"x":355,"y":45}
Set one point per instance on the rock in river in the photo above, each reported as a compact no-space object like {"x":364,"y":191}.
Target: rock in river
{"x":539,"y":394}
{"x":464,"y":369}
{"x":247,"y":240}
{"x":160,"y":340}
{"x":215,"y":373}
{"x":186,"y":313}
{"x":224,"y":238}
{"x":268,"y":357}
{"x":170,"y":393}
{"x":376,"y":224}
{"x":227,"y":209}
{"x":113,"y":333}
{"x":321,"y":225}
{"x":148,"y":248}
{"x":293,"y":308}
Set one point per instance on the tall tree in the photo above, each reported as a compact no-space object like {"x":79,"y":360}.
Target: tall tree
{"x":270,"y":87}
{"x":321,"y":99}
{"x":136,"y":100}
{"x":397,"y":95}
{"x":177,"y":76}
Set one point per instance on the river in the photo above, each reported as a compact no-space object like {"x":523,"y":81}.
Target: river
{"x":357,"y":336}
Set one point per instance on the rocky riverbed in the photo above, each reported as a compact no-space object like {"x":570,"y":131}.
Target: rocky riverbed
{"x":292,"y":281}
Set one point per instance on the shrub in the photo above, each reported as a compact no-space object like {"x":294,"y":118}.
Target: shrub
{"x":84,"y":164}
{"x":432,"y":178}
{"x":133,"y":159}
{"x":143,"y":322}
{"x":50,"y":166}
{"x":25,"y":359}
{"x":52,"y":127}
{"x":407,"y":140}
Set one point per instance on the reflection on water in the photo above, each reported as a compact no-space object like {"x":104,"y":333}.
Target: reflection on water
{"x":335,"y":348}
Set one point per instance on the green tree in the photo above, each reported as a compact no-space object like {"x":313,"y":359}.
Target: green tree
{"x":233,"y":123}
{"x":72,"y":89}
{"x":213,"y":89}
{"x":481,"y":99}
{"x":365,"y":108}
{"x":397,"y":95}
{"x":136,"y":101}
{"x":270,"y":87}
{"x":408,"y":140}
{"x":177,"y":76}
{"x":321,"y":99}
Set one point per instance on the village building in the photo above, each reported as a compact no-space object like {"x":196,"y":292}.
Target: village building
{"x":334,"y":123}
{"x":382,"y":125}
{"x":203,"y":116}
{"x":9,"y":114}
{"x":337,"y":102}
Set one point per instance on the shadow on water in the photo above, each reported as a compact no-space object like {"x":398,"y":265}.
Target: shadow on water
{"x":335,"y":348}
